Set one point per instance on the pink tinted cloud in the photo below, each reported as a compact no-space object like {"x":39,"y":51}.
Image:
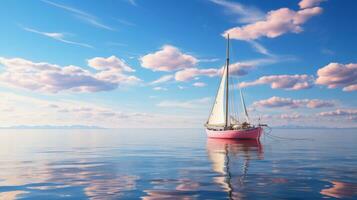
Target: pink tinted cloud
{"x":276,"y":102}
{"x":276,"y":23}
{"x":110,"y":63}
{"x":168,"y":58}
{"x":339,"y":112}
{"x":288,"y":82}
{"x":237,"y":68}
{"x":53,"y":78}
{"x":336,"y":75}
{"x":163,"y":79}
{"x":290,"y":116}
{"x":199,"y":84}
{"x":191,"y":73}
{"x":309,"y":3}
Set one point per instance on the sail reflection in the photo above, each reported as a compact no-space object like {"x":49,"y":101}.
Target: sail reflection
{"x":231,"y":159}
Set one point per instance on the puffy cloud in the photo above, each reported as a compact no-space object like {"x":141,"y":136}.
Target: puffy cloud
{"x":275,"y":102}
{"x":338,"y":75}
{"x":238,"y":68}
{"x":339,"y":112}
{"x":169,"y":58}
{"x":290,"y":116}
{"x":52,"y":78}
{"x":276,"y":23}
{"x":289,"y":82}
{"x":36,"y":111}
{"x":199,"y":84}
{"x":350,"y":88}
{"x":185,"y":104}
{"x":163,"y":79}
{"x":309,"y":3}
{"x":110,"y":63}
{"x":191,"y":73}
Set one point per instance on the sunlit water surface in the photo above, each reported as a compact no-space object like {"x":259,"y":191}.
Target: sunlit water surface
{"x":176,"y":164}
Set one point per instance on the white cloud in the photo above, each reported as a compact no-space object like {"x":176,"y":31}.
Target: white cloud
{"x":276,"y":102}
{"x":90,"y":19}
{"x":184,"y":104}
{"x":191,"y":73}
{"x":246,"y":14}
{"x":168,"y":58}
{"x":291,"y":116}
{"x":276,"y":23}
{"x":57,"y":36}
{"x":236,"y":69}
{"x":158,"y":88}
{"x":339,"y":112}
{"x":125,"y":22}
{"x":309,"y":3}
{"x":259,"y":48}
{"x":199,"y":84}
{"x":52,"y":78}
{"x":336,"y":75}
{"x":34,"y":111}
{"x":289,"y":82}
{"x":350,"y":88}
{"x":209,"y":59}
{"x":132,"y":2}
{"x":110,"y":63}
{"x":163,"y":79}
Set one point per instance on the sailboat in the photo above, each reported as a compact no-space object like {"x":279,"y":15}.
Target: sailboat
{"x":222,"y":121}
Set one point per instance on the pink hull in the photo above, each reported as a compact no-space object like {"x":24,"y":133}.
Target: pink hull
{"x":251,"y":134}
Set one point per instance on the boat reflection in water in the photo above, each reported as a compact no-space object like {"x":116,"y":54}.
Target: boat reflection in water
{"x":231,"y":159}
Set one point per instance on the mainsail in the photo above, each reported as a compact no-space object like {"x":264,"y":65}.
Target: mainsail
{"x":217,"y":116}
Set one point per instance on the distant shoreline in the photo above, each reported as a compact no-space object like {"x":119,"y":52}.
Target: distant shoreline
{"x":73,"y":127}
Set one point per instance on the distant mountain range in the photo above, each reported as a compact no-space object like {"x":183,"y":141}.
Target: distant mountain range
{"x":52,"y":127}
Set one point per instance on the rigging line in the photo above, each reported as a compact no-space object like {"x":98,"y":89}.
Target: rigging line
{"x":268,"y":133}
{"x":232,"y":104}
{"x":235,"y":99}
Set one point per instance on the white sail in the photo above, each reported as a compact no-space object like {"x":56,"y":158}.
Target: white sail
{"x":243,"y":105}
{"x":217,"y":116}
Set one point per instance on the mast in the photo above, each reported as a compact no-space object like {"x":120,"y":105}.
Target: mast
{"x":227,"y":82}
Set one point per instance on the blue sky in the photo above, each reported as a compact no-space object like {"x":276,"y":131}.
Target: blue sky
{"x":100,"y":62}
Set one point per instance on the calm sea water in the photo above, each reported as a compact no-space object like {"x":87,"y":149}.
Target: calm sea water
{"x":176,"y":164}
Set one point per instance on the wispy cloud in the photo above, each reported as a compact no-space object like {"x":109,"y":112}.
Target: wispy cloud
{"x":209,"y":59}
{"x":125,"y":22}
{"x":163,"y":79}
{"x":82,"y":15}
{"x":185,"y":104}
{"x":199,"y":84}
{"x":94,"y":22}
{"x":118,"y":44}
{"x":246,"y":14}
{"x":132,"y":2}
{"x":259,"y":48}
{"x":57,"y":36}
{"x":160,"y":88}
